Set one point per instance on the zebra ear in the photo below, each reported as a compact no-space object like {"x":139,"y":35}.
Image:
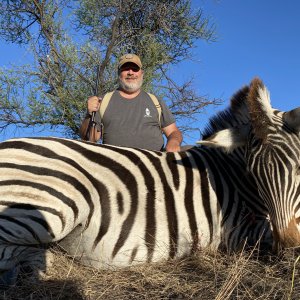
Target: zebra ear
{"x":260,"y":110}
{"x":227,"y":139}
{"x":292,"y":119}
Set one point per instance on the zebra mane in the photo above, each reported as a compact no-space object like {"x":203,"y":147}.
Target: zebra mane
{"x":236,"y":114}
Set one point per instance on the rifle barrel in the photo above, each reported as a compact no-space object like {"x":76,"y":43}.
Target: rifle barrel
{"x":96,"y":92}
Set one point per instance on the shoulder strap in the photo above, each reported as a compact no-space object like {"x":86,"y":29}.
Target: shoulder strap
{"x":157,"y":105}
{"x":104,"y":103}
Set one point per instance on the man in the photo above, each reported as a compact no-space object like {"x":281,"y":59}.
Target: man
{"x":131,"y":118}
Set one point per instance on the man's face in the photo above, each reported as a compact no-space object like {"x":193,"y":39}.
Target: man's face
{"x":130,"y":77}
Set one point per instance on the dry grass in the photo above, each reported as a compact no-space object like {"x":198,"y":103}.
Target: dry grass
{"x":202,"y":276}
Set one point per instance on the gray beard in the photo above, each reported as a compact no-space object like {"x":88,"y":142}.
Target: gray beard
{"x":130,"y":87}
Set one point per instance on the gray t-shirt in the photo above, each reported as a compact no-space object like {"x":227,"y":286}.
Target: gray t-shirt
{"x":134,"y":122}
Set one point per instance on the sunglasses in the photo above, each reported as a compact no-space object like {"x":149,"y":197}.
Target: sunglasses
{"x":130,"y":67}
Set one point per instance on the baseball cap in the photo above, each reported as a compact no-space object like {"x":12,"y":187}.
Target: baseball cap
{"x":127,"y":58}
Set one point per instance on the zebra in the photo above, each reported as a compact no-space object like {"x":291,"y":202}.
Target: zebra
{"x":272,"y":154}
{"x":114,"y":207}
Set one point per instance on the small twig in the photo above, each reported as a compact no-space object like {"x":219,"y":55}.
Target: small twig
{"x":293,"y":278}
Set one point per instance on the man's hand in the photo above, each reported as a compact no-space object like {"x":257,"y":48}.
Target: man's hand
{"x":93,"y":104}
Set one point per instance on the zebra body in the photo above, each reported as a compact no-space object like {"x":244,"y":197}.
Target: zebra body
{"x":114,"y":207}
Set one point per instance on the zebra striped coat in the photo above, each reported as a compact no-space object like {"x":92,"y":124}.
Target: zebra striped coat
{"x":114,"y":207}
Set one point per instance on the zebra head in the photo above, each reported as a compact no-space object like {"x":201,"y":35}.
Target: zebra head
{"x":271,"y":141}
{"x":273,"y":158}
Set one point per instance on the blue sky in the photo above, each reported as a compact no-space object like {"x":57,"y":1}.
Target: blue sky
{"x":255,"y":38}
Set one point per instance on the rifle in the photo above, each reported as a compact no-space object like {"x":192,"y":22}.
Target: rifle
{"x":91,"y":131}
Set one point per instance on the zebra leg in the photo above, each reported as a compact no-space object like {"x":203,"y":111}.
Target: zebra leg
{"x":72,"y":240}
{"x":78,"y":245}
{"x":9,"y":277}
{"x":15,"y":259}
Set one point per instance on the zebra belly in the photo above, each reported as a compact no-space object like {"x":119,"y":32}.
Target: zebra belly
{"x":133,"y":251}
{"x":121,"y":246}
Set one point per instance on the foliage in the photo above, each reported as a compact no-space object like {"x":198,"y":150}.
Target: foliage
{"x":69,"y":40}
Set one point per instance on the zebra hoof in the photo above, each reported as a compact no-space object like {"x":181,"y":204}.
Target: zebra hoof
{"x":8,"y":278}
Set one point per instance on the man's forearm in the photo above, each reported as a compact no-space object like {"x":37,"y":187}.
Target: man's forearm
{"x":84,"y":127}
{"x":175,"y":136}
{"x":173,"y":141}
